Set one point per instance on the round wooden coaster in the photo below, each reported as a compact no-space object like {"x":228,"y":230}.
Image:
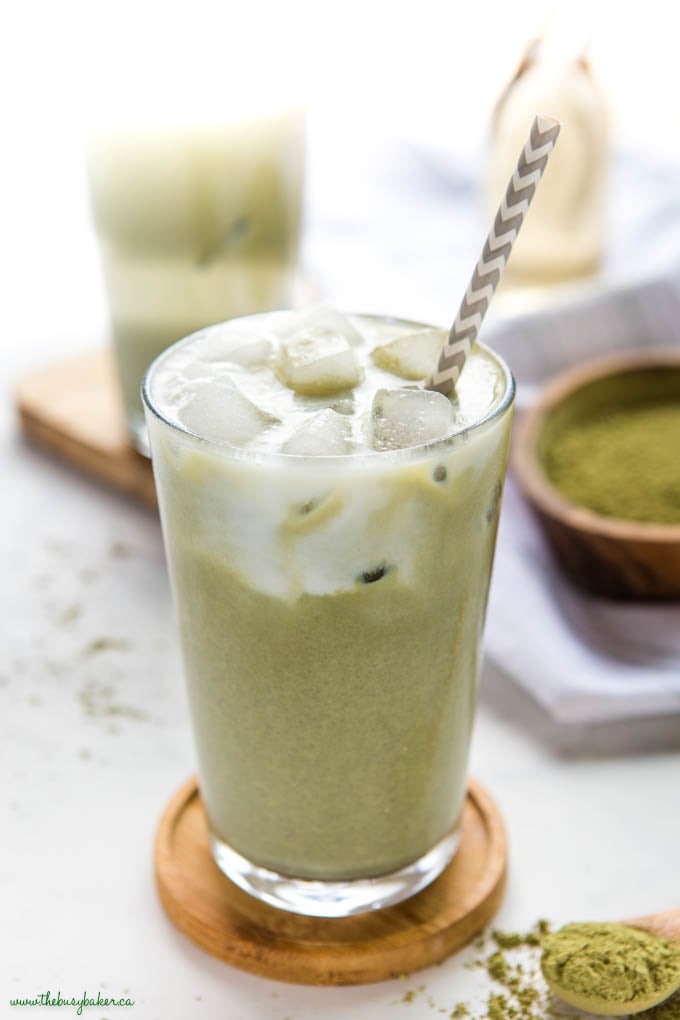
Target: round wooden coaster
{"x":227,"y":922}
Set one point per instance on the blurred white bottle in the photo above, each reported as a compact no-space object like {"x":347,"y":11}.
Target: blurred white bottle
{"x":563,"y":235}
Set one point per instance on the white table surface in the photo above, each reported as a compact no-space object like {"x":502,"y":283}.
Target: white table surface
{"x":94,"y":733}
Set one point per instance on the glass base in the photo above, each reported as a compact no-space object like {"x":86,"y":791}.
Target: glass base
{"x":139,"y":436}
{"x":335,"y":899}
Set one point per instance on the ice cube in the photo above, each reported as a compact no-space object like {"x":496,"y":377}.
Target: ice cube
{"x":316,"y":364}
{"x":325,"y":434}
{"x":343,"y":406}
{"x":409,"y":417}
{"x":218,"y":411}
{"x":203,"y":370}
{"x":317,"y":320}
{"x":234,"y":344}
{"x":412,"y":355}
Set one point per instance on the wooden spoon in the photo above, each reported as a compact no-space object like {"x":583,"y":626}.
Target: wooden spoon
{"x":665,"y":926}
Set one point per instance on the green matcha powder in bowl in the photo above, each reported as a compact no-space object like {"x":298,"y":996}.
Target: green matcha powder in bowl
{"x":597,"y":459}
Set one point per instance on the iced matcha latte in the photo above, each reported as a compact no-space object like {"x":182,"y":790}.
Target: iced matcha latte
{"x":330,"y":530}
{"x":196,"y":225}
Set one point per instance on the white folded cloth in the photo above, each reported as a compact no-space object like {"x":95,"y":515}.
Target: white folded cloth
{"x":584,"y":659}
{"x":611,"y":320}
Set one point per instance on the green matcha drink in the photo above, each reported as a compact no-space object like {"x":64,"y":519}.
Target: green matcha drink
{"x":196,"y":225}
{"x":330,"y":529}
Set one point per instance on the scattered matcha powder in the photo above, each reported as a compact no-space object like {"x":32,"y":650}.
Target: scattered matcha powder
{"x":58,"y":547}
{"x":668,"y":1010}
{"x":97,"y":701}
{"x":106,"y":644}
{"x":507,"y":939}
{"x":499,"y":1008}
{"x":497,"y":966}
{"x":68,"y":615}
{"x":522,"y":995}
{"x":119,"y":550}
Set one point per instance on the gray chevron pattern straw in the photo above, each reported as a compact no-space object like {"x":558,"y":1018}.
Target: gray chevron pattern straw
{"x":506,"y":226}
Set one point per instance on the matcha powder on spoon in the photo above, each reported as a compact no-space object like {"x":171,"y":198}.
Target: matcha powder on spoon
{"x":610,"y":964}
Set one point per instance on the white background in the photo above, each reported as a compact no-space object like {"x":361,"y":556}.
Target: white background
{"x":428,"y":72}
{"x":593,"y":833}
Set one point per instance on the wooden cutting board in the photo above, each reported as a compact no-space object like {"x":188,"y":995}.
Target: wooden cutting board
{"x":73,"y":409}
{"x":228,"y":923}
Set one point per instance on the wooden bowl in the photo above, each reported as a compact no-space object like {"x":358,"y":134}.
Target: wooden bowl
{"x":605,"y":556}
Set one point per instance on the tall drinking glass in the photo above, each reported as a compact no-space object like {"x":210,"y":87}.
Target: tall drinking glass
{"x":330,"y":539}
{"x":196,"y":224}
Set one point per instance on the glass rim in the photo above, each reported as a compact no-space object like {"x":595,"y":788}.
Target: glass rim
{"x":375,"y":457}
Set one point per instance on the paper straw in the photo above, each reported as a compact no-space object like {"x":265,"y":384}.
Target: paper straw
{"x":506,"y":226}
